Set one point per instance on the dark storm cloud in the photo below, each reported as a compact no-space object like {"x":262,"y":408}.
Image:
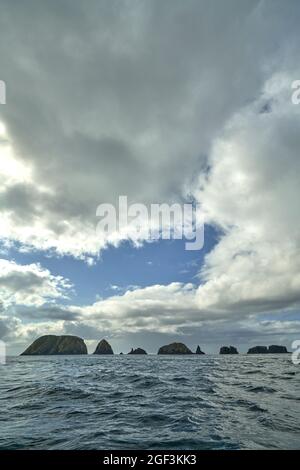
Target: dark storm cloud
{"x":121,"y":97}
{"x":48,"y":312}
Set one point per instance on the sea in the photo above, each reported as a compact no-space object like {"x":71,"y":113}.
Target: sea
{"x":150,"y":402}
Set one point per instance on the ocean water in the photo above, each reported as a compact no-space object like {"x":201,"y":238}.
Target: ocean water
{"x":150,"y":402}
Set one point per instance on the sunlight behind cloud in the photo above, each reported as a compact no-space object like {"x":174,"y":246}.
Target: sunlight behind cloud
{"x":12,"y":169}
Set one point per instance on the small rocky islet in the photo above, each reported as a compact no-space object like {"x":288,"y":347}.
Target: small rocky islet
{"x":228,"y":350}
{"x":50,"y":345}
{"x":198,"y":351}
{"x":103,"y":348}
{"x":137,"y":351}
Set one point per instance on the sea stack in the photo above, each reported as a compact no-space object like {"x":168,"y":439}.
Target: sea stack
{"x":228,"y":350}
{"x":51,"y":345}
{"x":103,"y":348}
{"x":137,"y":351}
{"x":274,"y":349}
{"x":174,"y":348}
{"x":198,"y":351}
{"x":258,"y":350}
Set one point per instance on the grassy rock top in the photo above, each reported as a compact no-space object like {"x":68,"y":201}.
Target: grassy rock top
{"x":52,"y":345}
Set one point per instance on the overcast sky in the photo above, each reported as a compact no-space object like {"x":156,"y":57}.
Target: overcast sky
{"x":161,"y":101}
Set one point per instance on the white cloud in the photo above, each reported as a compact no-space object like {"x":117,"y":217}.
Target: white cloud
{"x":172,"y":311}
{"x":29,"y":285}
{"x":252,"y":193}
{"x":154,"y":308}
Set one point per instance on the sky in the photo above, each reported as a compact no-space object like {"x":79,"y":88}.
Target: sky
{"x":163,"y":102}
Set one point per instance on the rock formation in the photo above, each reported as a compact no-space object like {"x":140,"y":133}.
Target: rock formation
{"x":228,"y":350}
{"x":103,"y":348}
{"x":198,"y":350}
{"x":274,"y":349}
{"x":258,"y":350}
{"x":174,"y":348}
{"x":137,"y":351}
{"x":52,"y":345}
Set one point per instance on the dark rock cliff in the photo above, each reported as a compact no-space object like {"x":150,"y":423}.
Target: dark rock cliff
{"x":274,"y":349}
{"x":258,"y":350}
{"x":228,"y":350}
{"x":103,"y":348}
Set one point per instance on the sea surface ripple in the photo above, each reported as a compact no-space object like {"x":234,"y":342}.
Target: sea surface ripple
{"x":150,"y":402}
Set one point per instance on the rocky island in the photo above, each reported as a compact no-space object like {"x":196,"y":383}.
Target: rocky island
{"x":228,"y":350}
{"x":174,"y":348}
{"x":56,"y":345}
{"x":258,"y":350}
{"x":103,"y":348}
{"x":137,"y":351}
{"x":274,"y":349}
{"x":67,"y":344}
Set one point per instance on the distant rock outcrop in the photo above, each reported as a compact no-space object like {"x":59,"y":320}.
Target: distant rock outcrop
{"x":274,"y":349}
{"x":54,"y":345}
{"x":258,"y":350}
{"x":228,"y":350}
{"x":174,"y":348}
{"x":103,"y":348}
{"x":137,"y":351}
{"x":198,"y":351}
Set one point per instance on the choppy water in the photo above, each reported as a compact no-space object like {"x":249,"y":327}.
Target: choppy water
{"x":150,"y":402}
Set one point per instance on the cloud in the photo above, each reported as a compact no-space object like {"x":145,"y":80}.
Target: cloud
{"x":3,"y":328}
{"x":18,"y":334}
{"x":251,"y":193}
{"x":47,"y":312}
{"x":104,"y":101}
{"x":29,"y":285}
{"x":153,"y":314}
{"x":150,"y":317}
{"x":154,"y":308}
